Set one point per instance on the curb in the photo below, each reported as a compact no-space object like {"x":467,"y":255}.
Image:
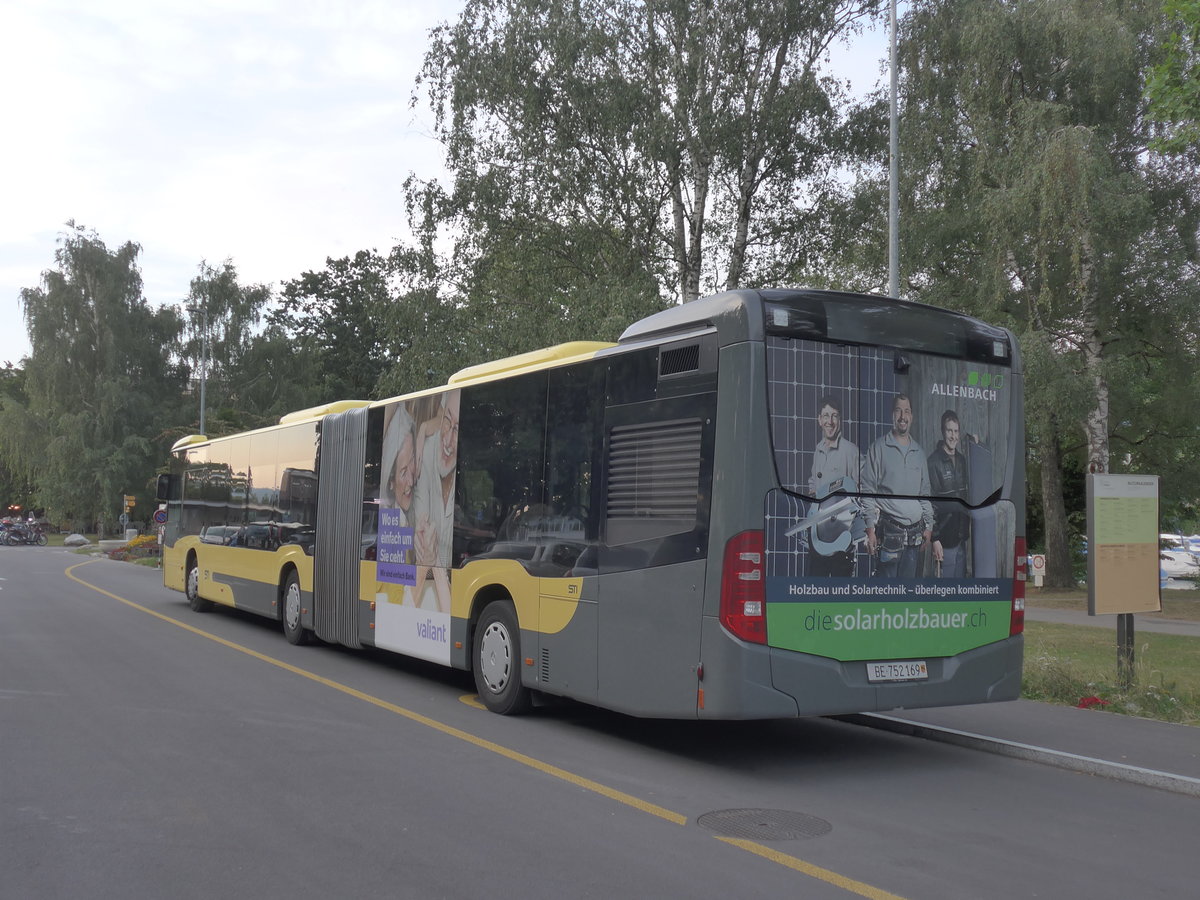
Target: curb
{"x":1178,"y":784}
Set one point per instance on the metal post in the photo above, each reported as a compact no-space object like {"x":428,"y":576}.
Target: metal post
{"x":894,"y":169}
{"x":1125,"y":650}
{"x":203,"y":364}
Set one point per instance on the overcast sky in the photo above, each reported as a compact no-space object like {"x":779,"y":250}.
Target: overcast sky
{"x":275,"y":134}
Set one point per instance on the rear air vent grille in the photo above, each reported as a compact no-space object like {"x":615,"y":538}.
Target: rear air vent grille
{"x":678,"y":360}
{"x":653,"y":480}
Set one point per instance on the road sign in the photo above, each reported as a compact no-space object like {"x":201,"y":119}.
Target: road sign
{"x":1037,"y":568}
{"x":160,"y":517}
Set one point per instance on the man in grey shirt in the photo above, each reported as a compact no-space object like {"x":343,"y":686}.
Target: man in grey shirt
{"x":835,"y":468}
{"x":899,"y":514}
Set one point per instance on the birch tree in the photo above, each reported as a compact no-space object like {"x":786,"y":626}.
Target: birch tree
{"x":681,"y":141}
{"x":1032,"y":198}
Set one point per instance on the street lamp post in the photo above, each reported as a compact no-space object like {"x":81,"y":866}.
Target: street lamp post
{"x":203,"y":364}
{"x":894,"y":168}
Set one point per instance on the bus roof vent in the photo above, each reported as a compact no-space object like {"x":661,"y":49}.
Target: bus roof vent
{"x":677,"y":360}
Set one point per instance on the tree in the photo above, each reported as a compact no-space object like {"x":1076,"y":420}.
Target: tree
{"x":1174,"y":84}
{"x":338,"y":318}
{"x":15,"y":487}
{"x":99,"y":376}
{"x":1031,"y":199}
{"x":673,"y":141}
{"x":219,"y":317}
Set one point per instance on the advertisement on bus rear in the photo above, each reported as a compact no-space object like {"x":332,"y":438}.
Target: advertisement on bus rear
{"x":891,"y":537}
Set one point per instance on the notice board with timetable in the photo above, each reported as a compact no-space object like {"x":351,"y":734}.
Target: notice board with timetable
{"x":1122,"y":530}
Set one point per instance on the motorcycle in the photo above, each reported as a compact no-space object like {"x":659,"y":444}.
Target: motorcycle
{"x":23,"y":533}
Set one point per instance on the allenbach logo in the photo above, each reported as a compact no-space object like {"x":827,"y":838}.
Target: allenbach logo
{"x":979,"y":386}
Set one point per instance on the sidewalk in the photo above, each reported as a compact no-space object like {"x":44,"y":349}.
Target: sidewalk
{"x":1108,"y":739}
{"x":1140,"y":622}
{"x":1085,"y":740}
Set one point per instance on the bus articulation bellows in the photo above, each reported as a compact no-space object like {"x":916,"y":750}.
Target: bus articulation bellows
{"x":760,"y":504}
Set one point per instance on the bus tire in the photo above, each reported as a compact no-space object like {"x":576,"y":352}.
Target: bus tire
{"x":290,"y":603}
{"x":496,"y":660}
{"x":192,"y":589}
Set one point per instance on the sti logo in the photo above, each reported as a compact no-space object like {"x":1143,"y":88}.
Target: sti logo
{"x":985,"y":380}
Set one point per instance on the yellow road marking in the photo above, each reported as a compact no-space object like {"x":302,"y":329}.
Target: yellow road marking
{"x":547,"y":768}
{"x":830,"y":877}
{"x":826,"y":875}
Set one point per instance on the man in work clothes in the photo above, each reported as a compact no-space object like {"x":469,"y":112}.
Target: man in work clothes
{"x":948,"y":478}
{"x":899,"y":517}
{"x":835,"y":467}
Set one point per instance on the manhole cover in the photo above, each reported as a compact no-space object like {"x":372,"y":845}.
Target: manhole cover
{"x":764,"y":824}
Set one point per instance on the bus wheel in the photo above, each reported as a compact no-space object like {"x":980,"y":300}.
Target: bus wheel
{"x":292,"y":629}
{"x":497,"y":661}
{"x":195,"y":601}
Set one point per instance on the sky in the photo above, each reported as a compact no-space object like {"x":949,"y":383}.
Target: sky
{"x":272,"y":134}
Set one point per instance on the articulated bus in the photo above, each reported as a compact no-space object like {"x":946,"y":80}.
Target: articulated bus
{"x":759,"y":504}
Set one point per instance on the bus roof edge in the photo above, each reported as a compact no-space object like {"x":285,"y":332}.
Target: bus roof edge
{"x":188,"y":441}
{"x":534,"y":359}
{"x":326,"y":409}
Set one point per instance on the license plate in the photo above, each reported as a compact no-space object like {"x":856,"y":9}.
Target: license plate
{"x":913,"y":670}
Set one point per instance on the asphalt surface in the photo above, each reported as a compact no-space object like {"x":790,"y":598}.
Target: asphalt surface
{"x":1126,"y":748}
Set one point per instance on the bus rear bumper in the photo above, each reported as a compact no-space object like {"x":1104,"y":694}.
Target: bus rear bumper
{"x":749,"y":681}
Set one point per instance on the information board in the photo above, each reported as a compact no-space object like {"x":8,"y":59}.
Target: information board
{"x":1122,"y":528}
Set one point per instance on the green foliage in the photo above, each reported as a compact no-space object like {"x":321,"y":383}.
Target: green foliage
{"x":336,"y":319}
{"x":1028,"y":198}
{"x":99,"y":376}
{"x":220,"y":316}
{"x":1173,"y":86}
{"x":16,"y":487}
{"x":667,"y":145}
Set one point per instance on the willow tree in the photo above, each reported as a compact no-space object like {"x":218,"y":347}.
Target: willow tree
{"x":1032,"y":199}
{"x":675,"y":144}
{"x":99,"y":382}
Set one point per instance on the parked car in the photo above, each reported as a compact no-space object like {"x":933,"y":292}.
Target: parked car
{"x":218,"y":534}
{"x":1176,"y":560}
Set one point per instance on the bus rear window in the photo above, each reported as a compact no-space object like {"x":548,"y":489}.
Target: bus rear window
{"x":831,"y":403}
{"x":883,"y":322}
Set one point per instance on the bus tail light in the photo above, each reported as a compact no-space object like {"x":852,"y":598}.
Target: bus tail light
{"x":743,"y":587}
{"x":1020,"y":573}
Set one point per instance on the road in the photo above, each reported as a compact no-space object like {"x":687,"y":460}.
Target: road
{"x":148,"y":751}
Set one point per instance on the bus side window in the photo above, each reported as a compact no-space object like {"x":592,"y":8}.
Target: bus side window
{"x":500,"y":465}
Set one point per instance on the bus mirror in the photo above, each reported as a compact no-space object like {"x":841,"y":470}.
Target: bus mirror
{"x":163,"y":493}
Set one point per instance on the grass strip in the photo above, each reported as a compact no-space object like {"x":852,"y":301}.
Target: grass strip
{"x":1074,"y":665}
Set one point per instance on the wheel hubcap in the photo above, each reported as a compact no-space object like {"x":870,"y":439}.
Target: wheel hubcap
{"x":495,"y":657}
{"x":291,"y":606}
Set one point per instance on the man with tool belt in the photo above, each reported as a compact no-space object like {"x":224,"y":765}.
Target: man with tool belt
{"x":896,"y":491}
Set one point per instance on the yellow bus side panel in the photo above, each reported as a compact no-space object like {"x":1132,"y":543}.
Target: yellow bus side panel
{"x":545,"y":605}
{"x":216,"y":561}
